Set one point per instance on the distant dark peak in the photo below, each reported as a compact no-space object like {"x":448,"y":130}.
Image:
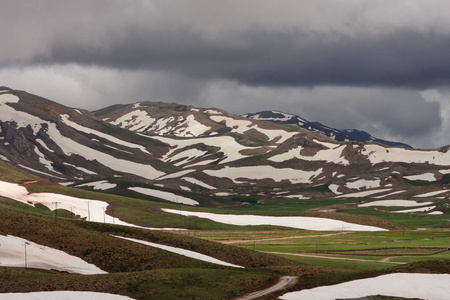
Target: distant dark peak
{"x":5,"y":88}
{"x":336,"y":134}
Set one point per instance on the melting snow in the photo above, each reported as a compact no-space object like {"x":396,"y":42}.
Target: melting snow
{"x":8,"y":98}
{"x":403,"y":203}
{"x":333,"y":155}
{"x":410,"y":285}
{"x":65,"y":119}
{"x":41,"y":142}
{"x":183,"y":252}
{"x":362,"y":183}
{"x":363,"y":193}
{"x":430,"y":194}
{"x":265,"y":172}
{"x":164,"y":195}
{"x":227,"y":145}
{"x":390,"y":194}
{"x":198,"y":182}
{"x":413,"y":210}
{"x":58,"y":295}
{"x":99,"y":185}
{"x":424,"y":177}
{"x":242,"y":126}
{"x":12,"y":254}
{"x":92,"y":210}
{"x":378,"y":154}
{"x":307,"y":223}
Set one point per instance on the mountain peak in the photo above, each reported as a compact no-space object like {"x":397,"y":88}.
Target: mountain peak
{"x":336,"y":134}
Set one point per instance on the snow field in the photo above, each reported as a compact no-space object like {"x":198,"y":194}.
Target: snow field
{"x":137,"y":120}
{"x":12,"y":254}
{"x":362,"y":194}
{"x":333,"y":155}
{"x":413,"y":210}
{"x":199,"y":183}
{"x":99,"y":185}
{"x":403,"y":203}
{"x":186,"y":156}
{"x":184,"y":252}
{"x":65,"y":119}
{"x":164,"y":195}
{"x":431,"y":194}
{"x":62,"y":295}
{"x":264,"y":172}
{"x":69,"y":147}
{"x":377,"y":154}
{"x":242,"y":126}
{"x":363,"y":183}
{"x":307,"y":223}
{"x":8,"y":98}
{"x":406,"y":285}
{"x":191,"y":128}
{"x":92,"y":210}
{"x":424,"y":177}
{"x":227,"y":145}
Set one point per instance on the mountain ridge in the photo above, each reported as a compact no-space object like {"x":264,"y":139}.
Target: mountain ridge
{"x":211,"y":151}
{"x":341,"y":135}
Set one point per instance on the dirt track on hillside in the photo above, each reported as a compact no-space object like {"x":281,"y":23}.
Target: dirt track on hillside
{"x":282,"y":283}
{"x":280,"y":238}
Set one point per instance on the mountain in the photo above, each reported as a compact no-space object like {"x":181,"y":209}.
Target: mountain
{"x":208,"y":151}
{"x":343,"y":135}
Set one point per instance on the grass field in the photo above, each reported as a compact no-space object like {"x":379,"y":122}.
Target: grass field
{"x":267,"y":252}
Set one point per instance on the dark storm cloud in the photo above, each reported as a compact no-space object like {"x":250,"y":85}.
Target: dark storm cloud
{"x":405,"y":58}
{"x":207,"y":40}
{"x":350,"y":64}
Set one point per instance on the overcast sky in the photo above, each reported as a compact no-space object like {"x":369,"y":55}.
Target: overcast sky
{"x":381,"y":66}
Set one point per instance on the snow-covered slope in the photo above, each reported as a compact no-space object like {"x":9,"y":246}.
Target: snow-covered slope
{"x":206,"y":150}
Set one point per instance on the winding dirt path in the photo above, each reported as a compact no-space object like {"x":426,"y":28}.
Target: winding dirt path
{"x":337,"y":258}
{"x":280,"y":238}
{"x":282,"y":283}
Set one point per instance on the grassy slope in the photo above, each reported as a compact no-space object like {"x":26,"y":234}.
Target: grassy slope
{"x":146,"y":273}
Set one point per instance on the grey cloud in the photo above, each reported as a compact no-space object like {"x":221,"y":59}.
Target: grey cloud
{"x":197,"y":41}
{"x":294,"y":58}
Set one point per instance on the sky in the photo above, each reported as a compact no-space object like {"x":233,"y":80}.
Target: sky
{"x":381,"y":66}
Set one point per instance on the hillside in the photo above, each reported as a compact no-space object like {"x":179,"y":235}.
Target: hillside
{"x":166,"y":201}
{"x":205,"y":150}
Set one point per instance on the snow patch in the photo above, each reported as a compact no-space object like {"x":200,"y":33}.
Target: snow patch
{"x":41,"y":257}
{"x":424,"y":177}
{"x":66,"y":295}
{"x":164,"y":195}
{"x":184,"y":252}
{"x":99,"y":185}
{"x":403,"y":203}
{"x":405,"y":285}
{"x":307,"y":223}
{"x":264,"y":172}
{"x":198,"y":182}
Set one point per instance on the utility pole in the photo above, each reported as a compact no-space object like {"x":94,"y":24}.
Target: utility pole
{"x":56,"y":209}
{"x":113,"y":215}
{"x":104,"y":214}
{"x":71,"y":211}
{"x":25,"y":245}
{"x":89,"y":212}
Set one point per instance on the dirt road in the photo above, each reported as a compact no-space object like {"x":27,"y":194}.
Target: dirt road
{"x":280,"y":238}
{"x":338,"y":258}
{"x":284,"y":282}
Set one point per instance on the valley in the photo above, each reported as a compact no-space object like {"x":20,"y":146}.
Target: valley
{"x":177,"y":202}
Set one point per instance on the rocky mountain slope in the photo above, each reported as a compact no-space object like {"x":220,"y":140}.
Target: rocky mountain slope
{"x":342,"y":135}
{"x":204,"y":150}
